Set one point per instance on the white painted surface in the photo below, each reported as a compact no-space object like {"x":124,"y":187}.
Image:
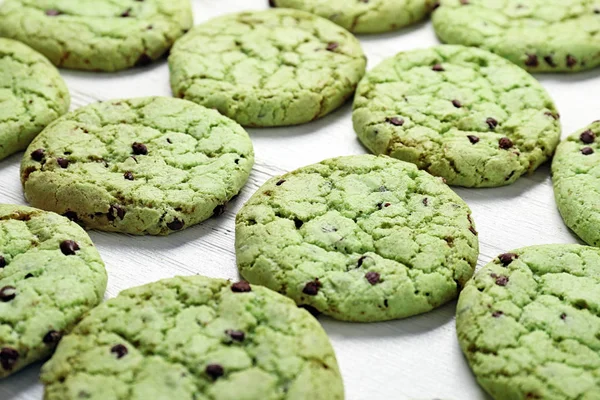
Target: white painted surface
{"x":415,"y":358}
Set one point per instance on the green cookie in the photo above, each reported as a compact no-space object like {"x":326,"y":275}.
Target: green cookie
{"x":32,"y":95}
{"x":50,"y":276}
{"x":529,"y":324}
{"x":359,"y":238}
{"x":97,"y":35}
{"x":361,"y":16}
{"x":195,"y":338}
{"x":576,"y":177}
{"x":267,"y":68}
{"x":539,"y":35}
{"x":461,"y":113}
{"x":142,"y":166}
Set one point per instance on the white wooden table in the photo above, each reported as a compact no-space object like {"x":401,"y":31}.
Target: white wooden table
{"x":415,"y":358}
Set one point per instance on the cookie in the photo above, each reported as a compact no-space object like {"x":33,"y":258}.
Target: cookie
{"x":361,"y":16}
{"x":538,"y":35}
{"x":461,"y":113}
{"x":97,"y":35}
{"x":32,"y":95}
{"x":529,"y":324}
{"x":151,"y":165}
{"x":358,"y":238}
{"x":267,"y":68}
{"x":195,"y":338}
{"x":50,"y":275}
{"x":576,"y":178}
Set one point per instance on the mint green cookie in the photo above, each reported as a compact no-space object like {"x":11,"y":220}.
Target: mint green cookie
{"x":529,"y":324}
{"x":359,"y":238}
{"x":97,"y":35}
{"x":360,"y":16}
{"x":195,"y":338}
{"x":267,"y":68}
{"x":32,"y":95}
{"x":461,"y":113}
{"x":576,"y":177}
{"x":142,"y":166}
{"x":538,"y":35}
{"x":50,"y":276}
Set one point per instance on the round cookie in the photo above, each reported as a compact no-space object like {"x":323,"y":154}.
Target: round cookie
{"x":142,"y":166}
{"x":529,"y":324}
{"x":576,"y":178}
{"x":97,"y":35}
{"x":32,"y":94}
{"x":538,"y":35}
{"x":461,"y":113}
{"x":195,"y":338}
{"x":359,"y":238}
{"x":267,"y":68}
{"x":361,"y":16}
{"x":50,"y":276}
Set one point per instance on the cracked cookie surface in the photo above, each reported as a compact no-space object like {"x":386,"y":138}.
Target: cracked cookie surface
{"x":576,"y":179}
{"x":267,"y":68}
{"x":461,"y":113}
{"x":364,"y":16}
{"x":99,"y":35}
{"x":538,"y":35}
{"x":142,"y":166}
{"x":359,"y":238}
{"x":50,"y":276}
{"x":195,"y":338}
{"x":529,"y":324}
{"x":32,"y":94}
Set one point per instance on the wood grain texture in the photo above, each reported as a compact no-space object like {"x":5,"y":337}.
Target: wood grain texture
{"x":416,"y":358}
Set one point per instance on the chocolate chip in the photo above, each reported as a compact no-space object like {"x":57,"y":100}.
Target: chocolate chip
{"x":69,"y":247}
{"x":331,"y":46}
{"x":456,"y":103}
{"x":507,"y":258}
{"x":241,"y":287}
{"x":360,"y":261}
{"x":571,"y":61}
{"x":438,"y":68}
{"x":52,"y":337}
{"x":175,"y":225}
{"x":71,"y":215}
{"x":588,"y":137}
{"x":395,"y":121}
{"x":492,"y":123}
{"x":312,"y":288}
{"x":128,"y":175}
{"x":280,"y":182}
{"x":8,"y":358}
{"x":550,"y":61}
{"x":215,"y":371}
{"x":38,"y":155}
{"x":505,"y":143}
{"x":372,"y":277}
{"x":2,"y":262}
{"x":473,"y":139}
{"x":116,"y":211}
{"x":502,"y":280}
{"x":63,"y":162}
{"x":238,"y":336}
{"x":126,"y":13}
{"x":7,"y":293}
{"x":464,"y":2}
{"x":28,"y":276}
{"x":586,"y":151}
{"x":497,"y":314}
{"x":219,"y":210}
{"x":120,"y":350}
{"x":52,"y":13}
{"x":425,"y":201}
{"x":298,"y":223}
{"x":563,"y":316}
{"x":139,"y":149}
{"x":532,"y":60}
